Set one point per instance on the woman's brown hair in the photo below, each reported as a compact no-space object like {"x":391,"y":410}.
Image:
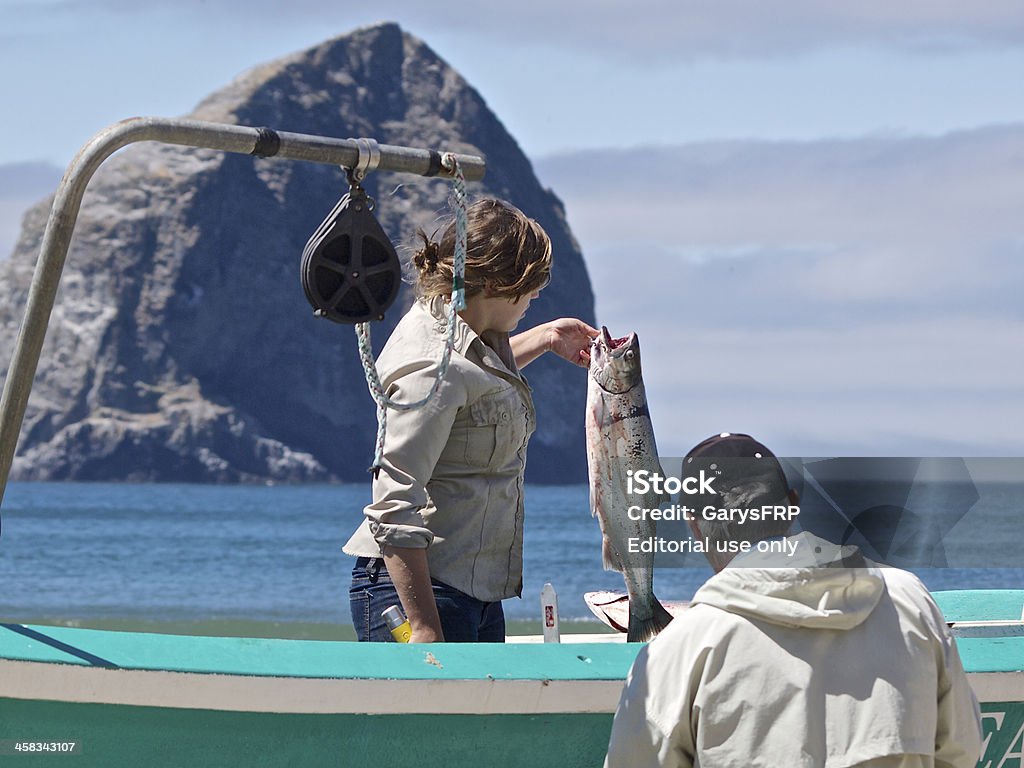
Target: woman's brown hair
{"x":507,"y":254}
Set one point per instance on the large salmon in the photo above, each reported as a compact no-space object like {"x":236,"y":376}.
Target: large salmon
{"x":620,"y":438}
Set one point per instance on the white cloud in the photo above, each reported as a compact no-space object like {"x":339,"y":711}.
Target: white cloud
{"x":894,"y":387}
{"x":834,"y":296}
{"x":560,"y":75}
{"x":651,"y":29}
{"x":910,"y":224}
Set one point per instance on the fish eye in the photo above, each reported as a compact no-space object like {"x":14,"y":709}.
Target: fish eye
{"x":629,"y":354}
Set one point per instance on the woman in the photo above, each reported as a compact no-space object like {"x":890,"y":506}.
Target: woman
{"x":443,"y":535}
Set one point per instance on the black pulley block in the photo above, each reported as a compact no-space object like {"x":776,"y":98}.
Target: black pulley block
{"x":350,"y":271}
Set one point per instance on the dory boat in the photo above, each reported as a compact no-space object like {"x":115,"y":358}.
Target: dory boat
{"x":125,"y":698}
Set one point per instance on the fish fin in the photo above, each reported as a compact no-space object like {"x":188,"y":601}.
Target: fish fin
{"x":611,"y":560}
{"x":642,"y":631}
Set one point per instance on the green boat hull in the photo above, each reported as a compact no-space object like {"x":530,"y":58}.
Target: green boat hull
{"x":152,"y":736}
{"x":155,"y":700}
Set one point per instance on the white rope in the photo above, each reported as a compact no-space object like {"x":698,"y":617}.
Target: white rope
{"x":457,"y":303}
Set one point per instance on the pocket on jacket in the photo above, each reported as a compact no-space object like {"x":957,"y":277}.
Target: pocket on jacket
{"x":490,"y":423}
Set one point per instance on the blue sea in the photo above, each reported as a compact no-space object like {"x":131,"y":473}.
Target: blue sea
{"x":180,"y":553}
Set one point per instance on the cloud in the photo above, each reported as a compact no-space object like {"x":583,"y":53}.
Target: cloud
{"x":857,"y":296}
{"x":651,"y":29}
{"x":901,"y":225}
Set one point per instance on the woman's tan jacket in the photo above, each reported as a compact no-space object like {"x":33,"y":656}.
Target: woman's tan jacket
{"x":451,"y":478}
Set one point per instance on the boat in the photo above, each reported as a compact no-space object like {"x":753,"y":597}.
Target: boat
{"x":169,"y":700}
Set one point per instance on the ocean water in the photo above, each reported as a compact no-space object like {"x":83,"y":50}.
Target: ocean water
{"x":190,"y":553}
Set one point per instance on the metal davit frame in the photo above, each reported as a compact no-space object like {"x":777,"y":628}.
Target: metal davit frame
{"x":259,"y":142}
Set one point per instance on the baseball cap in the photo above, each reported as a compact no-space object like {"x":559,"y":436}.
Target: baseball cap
{"x":736,"y":459}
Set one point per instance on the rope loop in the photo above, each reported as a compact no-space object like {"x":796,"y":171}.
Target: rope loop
{"x":456,"y":303}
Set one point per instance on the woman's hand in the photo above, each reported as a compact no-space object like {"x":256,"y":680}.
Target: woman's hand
{"x":426,"y":634}
{"x":567,"y":337}
{"x":570,"y":339}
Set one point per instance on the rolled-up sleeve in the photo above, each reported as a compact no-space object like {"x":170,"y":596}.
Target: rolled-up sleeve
{"x":414,"y":441}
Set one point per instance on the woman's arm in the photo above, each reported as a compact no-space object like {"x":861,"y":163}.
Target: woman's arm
{"x":413,"y":445}
{"x":567,"y":337}
{"x":411,"y":576}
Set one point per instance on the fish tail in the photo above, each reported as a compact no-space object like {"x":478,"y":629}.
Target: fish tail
{"x":642,"y":630}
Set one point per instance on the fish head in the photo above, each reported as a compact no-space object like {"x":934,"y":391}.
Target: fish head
{"x":615,"y":363}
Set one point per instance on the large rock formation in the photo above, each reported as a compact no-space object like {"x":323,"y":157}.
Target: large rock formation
{"x":182,"y":348}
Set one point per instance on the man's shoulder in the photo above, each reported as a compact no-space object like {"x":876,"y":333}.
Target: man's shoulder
{"x":702,"y":624}
{"x":909,"y":594}
{"x":904,"y":582}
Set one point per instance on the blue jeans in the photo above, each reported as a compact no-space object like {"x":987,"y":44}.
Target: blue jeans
{"x":464,"y":619}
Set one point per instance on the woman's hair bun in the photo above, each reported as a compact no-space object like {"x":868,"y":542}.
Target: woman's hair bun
{"x":426,"y":258}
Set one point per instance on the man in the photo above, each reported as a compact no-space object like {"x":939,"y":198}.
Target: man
{"x":797,"y":652}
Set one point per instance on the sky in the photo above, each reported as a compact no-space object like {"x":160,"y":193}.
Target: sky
{"x":808,"y":211}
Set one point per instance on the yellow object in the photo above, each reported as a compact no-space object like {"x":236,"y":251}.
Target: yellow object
{"x":402,"y":632}
{"x":398,"y":624}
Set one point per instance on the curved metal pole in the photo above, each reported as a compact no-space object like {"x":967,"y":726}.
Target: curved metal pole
{"x":261,"y":142}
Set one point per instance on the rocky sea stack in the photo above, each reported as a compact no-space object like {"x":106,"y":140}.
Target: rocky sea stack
{"x":181,"y":347}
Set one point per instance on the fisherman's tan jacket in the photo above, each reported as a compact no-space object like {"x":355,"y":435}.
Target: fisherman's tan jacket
{"x":452,"y":472}
{"x":801,"y":662}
